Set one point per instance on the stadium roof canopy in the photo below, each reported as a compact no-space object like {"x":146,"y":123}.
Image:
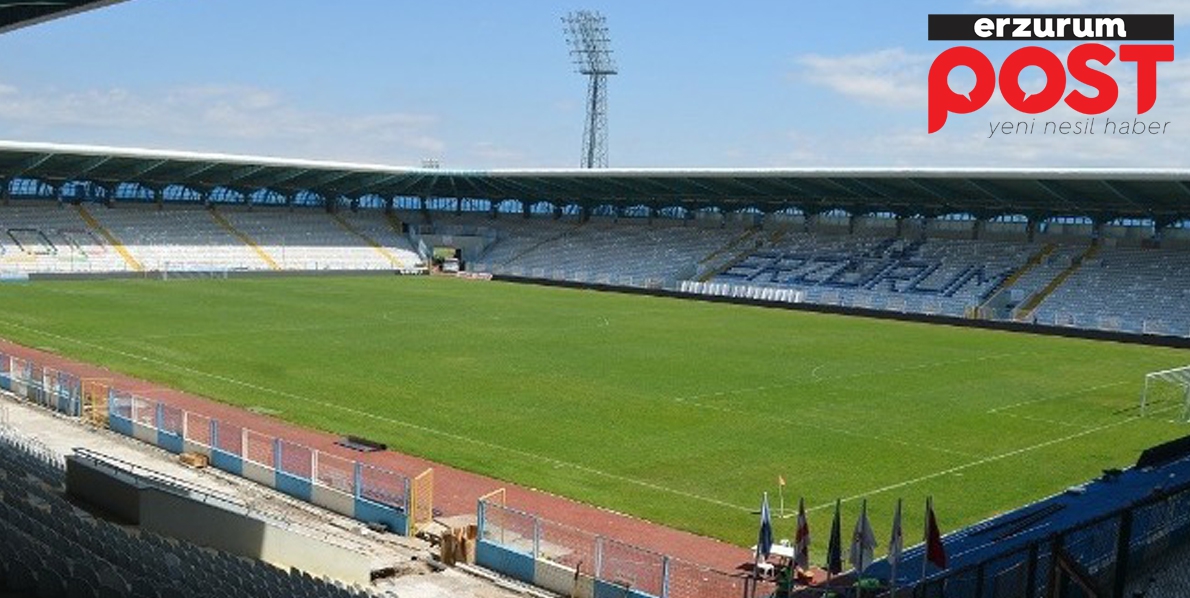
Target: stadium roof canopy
{"x":1104,"y":195}
{"x":15,"y":14}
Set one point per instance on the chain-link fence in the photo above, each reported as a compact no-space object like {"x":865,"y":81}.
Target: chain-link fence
{"x":566,"y":559}
{"x":44,"y":386}
{"x":366,"y":492}
{"x":1113,"y":556}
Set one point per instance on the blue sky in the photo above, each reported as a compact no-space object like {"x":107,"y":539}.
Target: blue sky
{"x":486,"y":84}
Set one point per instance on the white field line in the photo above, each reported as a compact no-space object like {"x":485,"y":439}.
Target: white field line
{"x":818,"y":426}
{"x":575,"y":466}
{"x":1042,"y":420}
{"x":1065,"y":395}
{"x":984,"y":461}
{"x":816,"y":378}
{"x":410,"y":425}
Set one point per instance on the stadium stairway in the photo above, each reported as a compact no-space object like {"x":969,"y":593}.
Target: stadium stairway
{"x":132,"y":262}
{"x":244,"y":238}
{"x":1038,"y":298}
{"x":773,"y":239}
{"x":1033,"y":262}
{"x":546,"y":241}
{"x":730,"y":246}
{"x":388,"y":255}
{"x":395,"y":222}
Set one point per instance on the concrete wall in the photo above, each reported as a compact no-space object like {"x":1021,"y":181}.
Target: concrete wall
{"x":875,"y":226}
{"x":950,"y":229}
{"x":913,"y":228}
{"x":1005,"y":231}
{"x":560,"y":580}
{"x":116,"y":495}
{"x":784,"y":221}
{"x":237,"y":533}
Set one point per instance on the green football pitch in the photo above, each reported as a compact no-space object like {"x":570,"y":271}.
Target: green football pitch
{"x":679,"y":412}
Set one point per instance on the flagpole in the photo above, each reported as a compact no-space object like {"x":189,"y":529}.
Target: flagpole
{"x":925,"y":544}
{"x":859,"y":574}
{"x":781,"y":491}
{"x":893,"y":580}
{"x":762,"y":544}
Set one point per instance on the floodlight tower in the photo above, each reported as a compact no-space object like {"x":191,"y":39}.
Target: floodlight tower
{"x":586,"y":32}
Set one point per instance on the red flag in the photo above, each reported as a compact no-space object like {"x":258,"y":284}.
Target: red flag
{"x":801,"y":555}
{"x":935,"y":552}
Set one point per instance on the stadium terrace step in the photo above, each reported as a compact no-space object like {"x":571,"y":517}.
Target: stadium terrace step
{"x":225,"y":223}
{"x":388,"y":255}
{"x":1008,"y":283}
{"x":1026,"y":310}
{"x":110,"y":238}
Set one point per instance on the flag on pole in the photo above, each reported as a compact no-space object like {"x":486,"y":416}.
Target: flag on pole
{"x":801,"y":556}
{"x":764,"y":541}
{"x":896,"y":542}
{"x":935,"y":551}
{"x":781,"y":492}
{"x":863,"y":542}
{"x":834,"y":551}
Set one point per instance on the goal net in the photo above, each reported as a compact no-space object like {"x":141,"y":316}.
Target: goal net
{"x":1166,"y":391}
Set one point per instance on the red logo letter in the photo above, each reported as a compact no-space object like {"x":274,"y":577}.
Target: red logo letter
{"x":1055,"y":80}
{"x":943,"y":100}
{"x":1146,"y":58}
{"x":1108,"y":90}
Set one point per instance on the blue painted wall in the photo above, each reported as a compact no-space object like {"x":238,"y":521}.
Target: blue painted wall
{"x":512,"y":563}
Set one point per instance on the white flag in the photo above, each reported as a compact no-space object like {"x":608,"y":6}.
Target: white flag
{"x":863,"y":542}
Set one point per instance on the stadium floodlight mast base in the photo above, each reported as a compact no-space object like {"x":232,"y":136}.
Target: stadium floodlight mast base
{"x":590,"y":49}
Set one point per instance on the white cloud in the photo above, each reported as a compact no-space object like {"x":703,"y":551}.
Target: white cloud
{"x":884,"y":77}
{"x":229,"y":118}
{"x":964,"y":141}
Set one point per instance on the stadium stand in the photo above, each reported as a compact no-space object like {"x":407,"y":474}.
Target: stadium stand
{"x":1129,"y":289}
{"x":625,"y":253}
{"x":1056,"y":281}
{"x":1052,"y":246}
{"x":935,"y":276}
{"x":53,"y":549}
{"x":50,"y":237}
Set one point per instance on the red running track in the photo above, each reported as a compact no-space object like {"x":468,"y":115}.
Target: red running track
{"x":456,"y":492}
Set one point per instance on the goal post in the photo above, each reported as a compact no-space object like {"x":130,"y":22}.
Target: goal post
{"x":1167,"y":390}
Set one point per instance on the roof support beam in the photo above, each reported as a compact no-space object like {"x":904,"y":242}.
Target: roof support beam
{"x":929,"y":189}
{"x":32,"y":164}
{"x":145,"y":170}
{"x":1058,"y":193}
{"x":1119,"y":194}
